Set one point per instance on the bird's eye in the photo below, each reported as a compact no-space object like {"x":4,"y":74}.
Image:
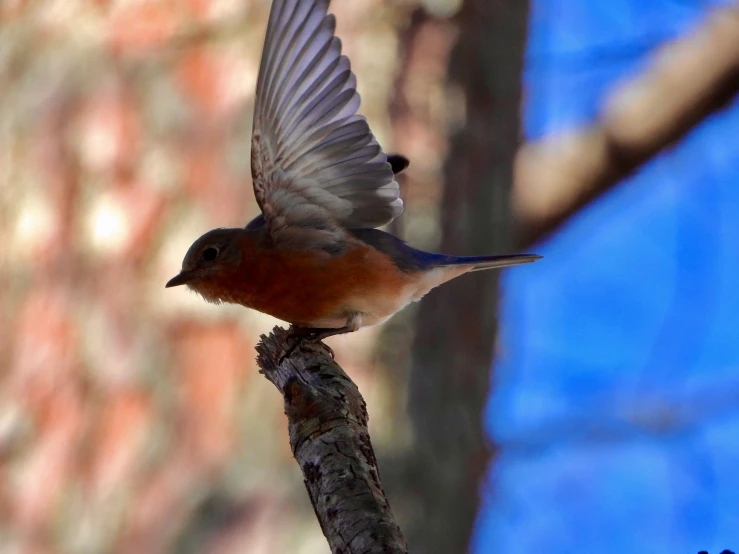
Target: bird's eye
{"x":210,"y":254}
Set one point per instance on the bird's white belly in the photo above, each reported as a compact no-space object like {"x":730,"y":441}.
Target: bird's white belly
{"x":378,"y":308}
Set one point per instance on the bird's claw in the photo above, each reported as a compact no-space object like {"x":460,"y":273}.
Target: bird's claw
{"x":301,"y":335}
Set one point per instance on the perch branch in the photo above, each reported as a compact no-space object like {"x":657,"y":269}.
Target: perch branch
{"x":328,"y":434}
{"x":689,"y":80}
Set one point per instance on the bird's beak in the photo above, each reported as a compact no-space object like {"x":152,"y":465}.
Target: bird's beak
{"x":179,"y":279}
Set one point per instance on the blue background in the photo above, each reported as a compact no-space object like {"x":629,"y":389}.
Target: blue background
{"x":615,"y":400}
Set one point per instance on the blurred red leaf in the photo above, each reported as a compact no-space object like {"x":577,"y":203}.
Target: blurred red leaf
{"x":140,"y":28}
{"x":118,"y":438}
{"x":210,"y":358}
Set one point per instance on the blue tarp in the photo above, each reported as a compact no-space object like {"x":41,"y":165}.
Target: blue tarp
{"x":615,"y":401}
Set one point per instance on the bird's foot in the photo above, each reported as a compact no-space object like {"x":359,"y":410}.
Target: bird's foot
{"x":299,"y":335}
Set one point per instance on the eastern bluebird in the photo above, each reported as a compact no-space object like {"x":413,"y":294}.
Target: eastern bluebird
{"x":314,"y":257}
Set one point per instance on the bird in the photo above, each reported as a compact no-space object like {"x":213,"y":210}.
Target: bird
{"x":315,"y":257}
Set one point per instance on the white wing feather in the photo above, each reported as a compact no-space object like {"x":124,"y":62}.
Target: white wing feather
{"x":316,"y":166}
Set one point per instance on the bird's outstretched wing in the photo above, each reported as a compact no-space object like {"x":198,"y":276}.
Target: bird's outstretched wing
{"x":316,"y":166}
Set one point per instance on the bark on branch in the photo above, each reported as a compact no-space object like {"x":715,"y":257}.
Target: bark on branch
{"x":329,"y":439}
{"x":689,"y":80}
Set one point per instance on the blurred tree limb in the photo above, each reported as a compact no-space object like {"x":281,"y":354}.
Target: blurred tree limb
{"x":688,"y":80}
{"x":457,"y":323}
{"x":328,"y":435}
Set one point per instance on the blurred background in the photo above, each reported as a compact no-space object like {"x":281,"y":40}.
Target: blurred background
{"x":133,"y":420}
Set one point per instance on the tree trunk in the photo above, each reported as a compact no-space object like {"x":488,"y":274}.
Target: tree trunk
{"x":454,"y":346}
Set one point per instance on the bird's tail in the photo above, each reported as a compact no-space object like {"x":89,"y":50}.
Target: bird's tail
{"x":445,"y":268}
{"x":478,"y":263}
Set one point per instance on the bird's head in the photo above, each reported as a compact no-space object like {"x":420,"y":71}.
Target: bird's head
{"x":211,"y":259}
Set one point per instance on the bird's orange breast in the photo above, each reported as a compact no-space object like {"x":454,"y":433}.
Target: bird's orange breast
{"x":312,"y":289}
